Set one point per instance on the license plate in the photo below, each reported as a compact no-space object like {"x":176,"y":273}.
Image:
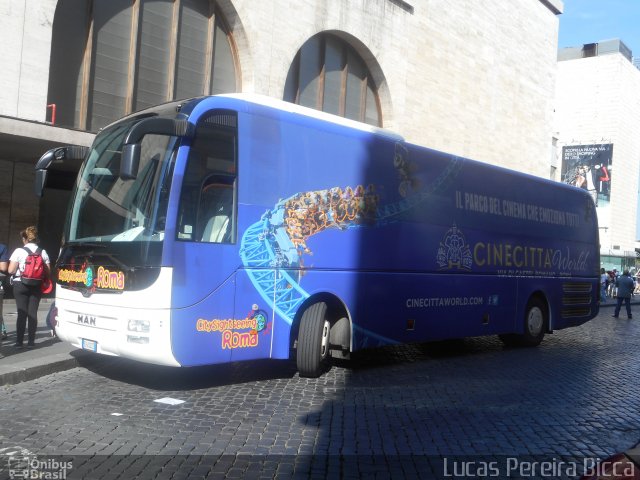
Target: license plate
{"x":89,"y":345}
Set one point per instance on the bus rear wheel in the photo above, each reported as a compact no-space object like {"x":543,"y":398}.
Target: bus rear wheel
{"x":535,"y":325}
{"x":313,"y":341}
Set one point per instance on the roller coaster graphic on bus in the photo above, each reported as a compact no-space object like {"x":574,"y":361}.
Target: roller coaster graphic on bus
{"x":277,"y":243}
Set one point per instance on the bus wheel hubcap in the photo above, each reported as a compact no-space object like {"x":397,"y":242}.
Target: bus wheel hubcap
{"x":534,"y":321}
{"x":324,"y":342}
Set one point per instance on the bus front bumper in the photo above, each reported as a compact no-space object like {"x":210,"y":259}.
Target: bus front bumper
{"x":138,"y":334}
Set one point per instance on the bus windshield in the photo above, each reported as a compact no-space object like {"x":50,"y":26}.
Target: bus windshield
{"x":107,"y":208}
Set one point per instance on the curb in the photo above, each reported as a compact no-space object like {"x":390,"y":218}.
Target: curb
{"x":35,"y":368}
{"x":32,"y":373}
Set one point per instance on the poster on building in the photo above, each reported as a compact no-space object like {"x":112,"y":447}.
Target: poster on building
{"x":589,"y":167}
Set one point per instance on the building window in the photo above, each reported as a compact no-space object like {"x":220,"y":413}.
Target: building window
{"x":328,"y":74}
{"x":590,"y":50}
{"x":112,"y":58}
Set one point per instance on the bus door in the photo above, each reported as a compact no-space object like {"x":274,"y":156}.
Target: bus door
{"x":205,"y":251}
{"x":205,"y":264}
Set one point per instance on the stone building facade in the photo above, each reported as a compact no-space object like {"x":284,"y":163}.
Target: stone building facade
{"x":598,"y":106}
{"x":472,"y":78}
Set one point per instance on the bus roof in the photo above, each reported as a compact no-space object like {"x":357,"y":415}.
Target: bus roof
{"x":289,"y":107}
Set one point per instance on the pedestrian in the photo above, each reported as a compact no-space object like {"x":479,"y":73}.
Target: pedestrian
{"x":4,"y":264}
{"x":27,"y":296}
{"x":610,"y":283}
{"x":624,"y":286}
{"x":604,"y":278}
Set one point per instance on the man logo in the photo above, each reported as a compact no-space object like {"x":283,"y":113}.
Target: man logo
{"x":87,"y":320}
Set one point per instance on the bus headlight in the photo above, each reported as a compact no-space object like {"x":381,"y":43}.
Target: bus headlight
{"x":139,"y":326}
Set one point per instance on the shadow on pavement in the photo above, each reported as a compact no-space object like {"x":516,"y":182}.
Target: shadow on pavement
{"x":157,"y":377}
{"x":395,"y":355}
{"x":163,"y":378}
{"x":9,"y":349}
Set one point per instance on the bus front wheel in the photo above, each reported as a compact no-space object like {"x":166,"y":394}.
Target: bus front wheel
{"x":535,"y":324}
{"x":313,"y":341}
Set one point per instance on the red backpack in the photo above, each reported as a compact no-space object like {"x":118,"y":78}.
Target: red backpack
{"x":34,"y":269}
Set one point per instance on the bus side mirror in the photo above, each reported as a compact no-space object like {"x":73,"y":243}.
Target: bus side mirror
{"x":59,"y":158}
{"x":130,"y":160}
{"x":41,"y":179}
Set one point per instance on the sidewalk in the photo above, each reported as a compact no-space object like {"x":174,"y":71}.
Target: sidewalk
{"x":50,"y":355}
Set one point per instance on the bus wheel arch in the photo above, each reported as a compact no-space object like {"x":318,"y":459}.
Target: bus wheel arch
{"x":321,"y":329}
{"x":536,"y":323}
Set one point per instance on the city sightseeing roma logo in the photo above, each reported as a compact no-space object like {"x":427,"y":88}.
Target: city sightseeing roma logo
{"x":103,"y":278}
{"x":454,"y":251}
{"x":232,"y":334}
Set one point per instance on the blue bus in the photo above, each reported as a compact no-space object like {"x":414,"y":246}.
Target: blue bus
{"x":237,"y":227}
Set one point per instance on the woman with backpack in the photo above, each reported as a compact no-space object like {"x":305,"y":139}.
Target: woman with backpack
{"x":29,"y":266}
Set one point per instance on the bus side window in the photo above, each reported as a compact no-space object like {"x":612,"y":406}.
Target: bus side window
{"x":206,"y":210}
{"x":215,"y":213}
{"x":186,"y":218}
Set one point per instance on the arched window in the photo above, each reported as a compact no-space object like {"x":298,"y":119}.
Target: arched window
{"x":328,"y":74}
{"x":111,"y":58}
